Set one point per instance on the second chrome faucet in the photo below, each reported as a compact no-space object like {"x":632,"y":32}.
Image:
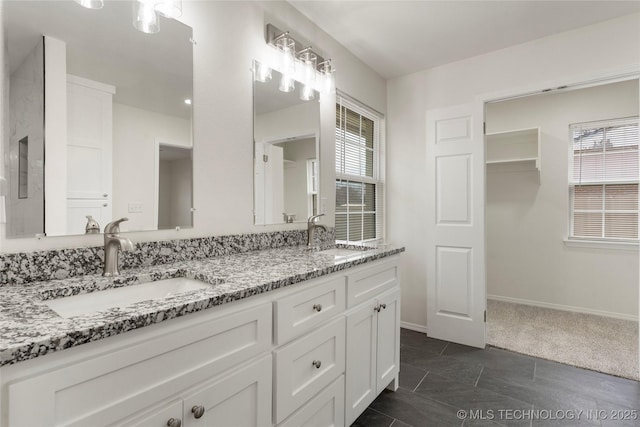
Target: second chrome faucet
{"x":112,"y":243}
{"x":311,"y":226}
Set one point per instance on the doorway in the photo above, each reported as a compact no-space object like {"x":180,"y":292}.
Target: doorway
{"x":550,"y":295}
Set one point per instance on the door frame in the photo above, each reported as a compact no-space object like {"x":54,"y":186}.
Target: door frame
{"x":157,"y":142}
{"x":569,"y":83}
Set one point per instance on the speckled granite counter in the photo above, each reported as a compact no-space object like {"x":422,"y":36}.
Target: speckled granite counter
{"x":28,"y":328}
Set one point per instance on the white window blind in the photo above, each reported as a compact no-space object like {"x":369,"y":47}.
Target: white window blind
{"x":359,"y":183}
{"x":603,"y":180}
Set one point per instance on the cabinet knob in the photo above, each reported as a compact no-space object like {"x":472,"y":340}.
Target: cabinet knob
{"x":105,"y":205}
{"x":197,"y":411}
{"x":317,"y":307}
{"x":317,"y":364}
{"x":377,"y":308}
{"x":383,"y":306}
{"x":174,"y":422}
{"x":106,"y":195}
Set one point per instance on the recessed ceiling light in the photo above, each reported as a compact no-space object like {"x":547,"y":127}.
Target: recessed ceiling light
{"x":187,"y":101}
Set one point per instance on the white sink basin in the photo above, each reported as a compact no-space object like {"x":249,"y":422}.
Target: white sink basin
{"x":121,"y":297}
{"x":341,"y":253}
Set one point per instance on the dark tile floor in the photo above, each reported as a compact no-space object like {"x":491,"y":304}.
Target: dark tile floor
{"x":446,"y":384}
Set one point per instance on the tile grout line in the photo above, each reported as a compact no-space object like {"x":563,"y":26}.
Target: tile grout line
{"x":479,"y":375}
{"x":445,"y":347}
{"x":425,"y":376}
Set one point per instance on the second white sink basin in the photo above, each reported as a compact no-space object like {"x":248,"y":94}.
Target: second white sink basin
{"x":121,"y":297}
{"x":341,"y":252}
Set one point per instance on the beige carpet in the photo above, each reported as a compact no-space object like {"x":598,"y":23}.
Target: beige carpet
{"x":594,"y":342}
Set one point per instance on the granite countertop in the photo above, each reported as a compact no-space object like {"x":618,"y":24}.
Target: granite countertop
{"x":29,"y":328}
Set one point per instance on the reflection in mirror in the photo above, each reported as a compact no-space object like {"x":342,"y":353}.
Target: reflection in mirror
{"x":86,"y":135}
{"x":286,"y":137}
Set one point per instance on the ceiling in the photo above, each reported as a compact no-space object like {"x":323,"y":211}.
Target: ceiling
{"x":400,"y":37}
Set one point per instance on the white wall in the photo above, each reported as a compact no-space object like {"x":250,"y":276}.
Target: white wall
{"x":298,"y":120}
{"x":134,"y":144}
{"x":531,"y":66}
{"x":526,"y":219}
{"x":26,"y":215}
{"x":223,"y":116}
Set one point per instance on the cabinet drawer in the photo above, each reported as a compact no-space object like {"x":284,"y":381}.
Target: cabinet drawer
{"x":156,"y":416}
{"x":324,"y":410}
{"x":297,"y":377}
{"x":369,"y":282}
{"x":301,"y":312}
{"x":108,"y":387}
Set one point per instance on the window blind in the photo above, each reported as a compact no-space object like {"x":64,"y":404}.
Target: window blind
{"x":359,"y":185}
{"x":603,"y":179}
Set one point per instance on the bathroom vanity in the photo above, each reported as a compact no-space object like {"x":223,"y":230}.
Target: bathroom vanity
{"x":284,"y":337}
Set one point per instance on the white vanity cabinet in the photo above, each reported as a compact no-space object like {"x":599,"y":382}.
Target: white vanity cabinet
{"x":129,"y":375}
{"x":373,"y":336}
{"x":313,"y":354}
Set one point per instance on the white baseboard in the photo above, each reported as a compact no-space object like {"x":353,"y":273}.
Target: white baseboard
{"x":565,"y":307}
{"x":413,"y":327}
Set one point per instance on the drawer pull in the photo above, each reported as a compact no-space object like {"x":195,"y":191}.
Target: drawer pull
{"x":174,"y":422}
{"x":317,"y":364}
{"x":384,"y":306}
{"x":198,"y":411}
{"x":317,"y":307}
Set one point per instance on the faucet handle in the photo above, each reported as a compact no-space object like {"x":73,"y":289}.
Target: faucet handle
{"x":314,"y":218}
{"x":114,"y":227}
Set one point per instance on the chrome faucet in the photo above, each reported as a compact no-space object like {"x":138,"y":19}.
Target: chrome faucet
{"x":311,"y":226}
{"x":112,"y":242}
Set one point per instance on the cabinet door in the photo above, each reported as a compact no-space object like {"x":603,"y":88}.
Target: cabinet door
{"x":242,"y":399}
{"x":388,"y":347}
{"x":361,"y":360}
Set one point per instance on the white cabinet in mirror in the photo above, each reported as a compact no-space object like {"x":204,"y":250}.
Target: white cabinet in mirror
{"x":286,"y":134}
{"x":106,"y":132}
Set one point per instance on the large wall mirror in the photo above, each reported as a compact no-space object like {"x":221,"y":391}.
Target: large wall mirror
{"x":100,"y":120}
{"x":286,"y":141}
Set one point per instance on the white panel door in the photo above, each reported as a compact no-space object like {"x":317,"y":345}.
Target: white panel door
{"x":456,"y":293}
{"x":362,"y":341}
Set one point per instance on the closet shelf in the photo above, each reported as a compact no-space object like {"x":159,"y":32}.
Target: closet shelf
{"x":522,"y":145}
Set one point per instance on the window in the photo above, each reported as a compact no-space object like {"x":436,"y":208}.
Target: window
{"x":359,"y":181}
{"x":603,"y":180}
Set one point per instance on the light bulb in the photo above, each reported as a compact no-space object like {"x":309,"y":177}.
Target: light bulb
{"x":307,"y":93}
{"x":145,"y":18}
{"x":287,"y":84}
{"x":169,"y":8}
{"x":262,"y":72}
{"x":91,"y":4}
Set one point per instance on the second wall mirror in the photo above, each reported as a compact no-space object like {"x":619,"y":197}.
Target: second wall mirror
{"x":286,"y":145}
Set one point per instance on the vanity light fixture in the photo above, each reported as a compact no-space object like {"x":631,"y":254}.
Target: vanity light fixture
{"x":91,"y":4}
{"x":145,"y":17}
{"x":326,"y":71}
{"x":287,"y":47}
{"x":292,"y":51}
{"x":169,"y":8}
{"x":309,"y":63}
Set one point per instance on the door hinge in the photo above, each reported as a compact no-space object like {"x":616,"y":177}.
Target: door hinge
{"x":265,"y":158}
{"x":485,"y":316}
